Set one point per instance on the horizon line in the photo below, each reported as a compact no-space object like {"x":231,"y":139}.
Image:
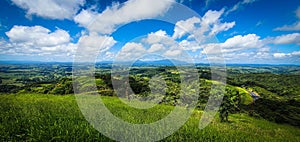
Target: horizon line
{"x":32,"y":61}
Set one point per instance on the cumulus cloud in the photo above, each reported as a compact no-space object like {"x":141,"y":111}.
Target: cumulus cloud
{"x":212,"y":16}
{"x":189,"y":45}
{"x":250,"y":41}
{"x":156,"y":48}
{"x":247,"y":41}
{"x":85,"y":17}
{"x":247,"y":48}
{"x":94,"y":42}
{"x":37,"y":36}
{"x":279,"y":55}
{"x":293,"y":27}
{"x":220,"y":27}
{"x":185,"y":26}
{"x":296,"y":53}
{"x":287,"y":39}
{"x":211,"y":48}
{"x":108,"y":56}
{"x":40,"y":41}
{"x":236,"y":43}
{"x":132,"y":10}
{"x":52,"y":9}
{"x":173,"y":53}
{"x":285,"y":55}
{"x":131,"y":51}
{"x":159,"y":43}
{"x":90,"y":46}
{"x":37,"y":40}
{"x":159,"y":37}
{"x":210,"y":24}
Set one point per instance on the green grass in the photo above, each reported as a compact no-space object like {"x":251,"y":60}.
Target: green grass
{"x":34,"y":117}
{"x":245,"y":96}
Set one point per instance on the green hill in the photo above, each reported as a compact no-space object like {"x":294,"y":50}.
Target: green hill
{"x":35,"y":117}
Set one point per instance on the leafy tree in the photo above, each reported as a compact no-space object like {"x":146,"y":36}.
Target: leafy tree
{"x":230,"y":104}
{"x":65,"y":86}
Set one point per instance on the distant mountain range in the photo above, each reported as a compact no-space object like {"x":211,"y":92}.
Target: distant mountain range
{"x":148,"y":63}
{"x":159,"y":62}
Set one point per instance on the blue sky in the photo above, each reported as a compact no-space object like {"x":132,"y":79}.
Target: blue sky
{"x":236,"y":31}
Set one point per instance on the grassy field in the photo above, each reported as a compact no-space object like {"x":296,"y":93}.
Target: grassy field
{"x":34,"y":117}
{"x":245,"y":96}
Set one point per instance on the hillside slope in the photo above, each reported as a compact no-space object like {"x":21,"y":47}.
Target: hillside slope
{"x":58,"y":118}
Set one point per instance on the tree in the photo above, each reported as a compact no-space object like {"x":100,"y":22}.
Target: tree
{"x":64,"y":86}
{"x":230,"y":104}
{"x":224,"y":109}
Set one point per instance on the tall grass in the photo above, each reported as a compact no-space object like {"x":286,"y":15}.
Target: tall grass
{"x":34,"y":117}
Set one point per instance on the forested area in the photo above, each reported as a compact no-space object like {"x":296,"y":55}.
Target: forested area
{"x":278,"y":102}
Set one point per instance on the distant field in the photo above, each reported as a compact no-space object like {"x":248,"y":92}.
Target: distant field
{"x":34,"y":117}
{"x":246,"y":98}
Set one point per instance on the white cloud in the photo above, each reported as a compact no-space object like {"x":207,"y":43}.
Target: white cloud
{"x":156,"y":48}
{"x":106,"y":56}
{"x":240,"y":5}
{"x":212,"y":48}
{"x":85,"y":17}
{"x":234,"y":44}
{"x":37,"y":41}
{"x":159,"y":43}
{"x":296,"y":53}
{"x":220,"y":27}
{"x":189,"y":45}
{"x":94,"y":42}
{"x":159,"y":37}
{"x":280,"y":55}
{"x":247,"y":56}
{"x":173,"y":53}
{"x":131,"y":51}
{"x":37,"y":36}
{"x":109,"y":55}
{"x":212,"y":16}
{"x":262,"y":53}
{"x":250,"y":48}
{"x":287,"y":55}
{"x":202,"y":29}
{"x":5,"y":47}
{"x":240,"y":56}
{"x":287,"y":39}
{"x":185,"y":26}
{"x":40,"y":41}
{"x":52,"y":9}
{"x":247,"y":41}
{"x":132,"y":10}
{"x":293,"y":27}
{"x":90,"y":46}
